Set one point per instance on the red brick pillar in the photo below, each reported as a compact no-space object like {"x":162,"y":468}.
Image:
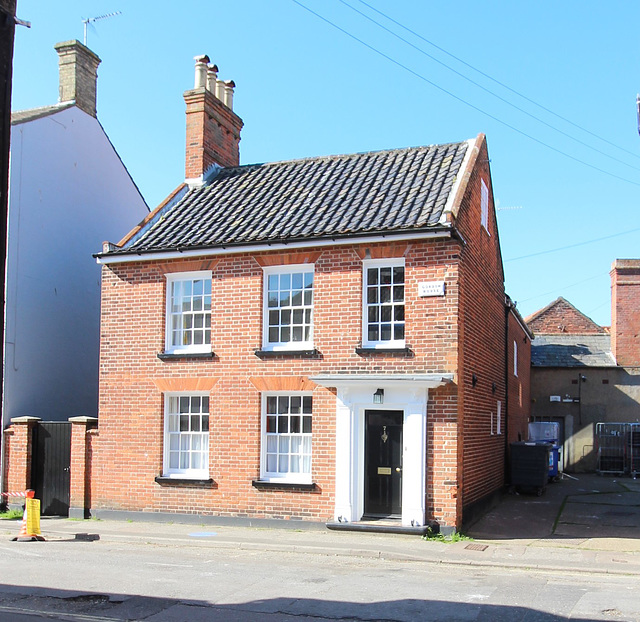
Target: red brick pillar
{"x":80,"y":476}
{"x":18,"y":451}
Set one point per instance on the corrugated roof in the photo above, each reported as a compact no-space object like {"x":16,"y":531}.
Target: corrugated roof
{"x":572,"y":351}
{"x":314,"y":198}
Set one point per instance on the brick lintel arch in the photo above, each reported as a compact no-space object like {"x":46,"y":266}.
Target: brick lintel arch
{"x":282,"y":383}
{"x":168,"y":385}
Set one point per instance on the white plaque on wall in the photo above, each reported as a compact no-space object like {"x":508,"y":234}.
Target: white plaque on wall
{"x":431,"y":288}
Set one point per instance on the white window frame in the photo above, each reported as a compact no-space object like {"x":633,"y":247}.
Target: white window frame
{"x":381,"y":263}
{"x":303,"y":344}
{"x":174,"y":277}
{"x":515,"y":358}
{"x":499,"y":418}
{"x":484,"y":205}
{"x":178,"y":472}
{"x":277,"y":476}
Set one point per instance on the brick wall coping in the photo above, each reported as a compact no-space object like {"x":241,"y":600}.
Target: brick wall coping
{"x":25,"y":419}
{"x":83,"y":419}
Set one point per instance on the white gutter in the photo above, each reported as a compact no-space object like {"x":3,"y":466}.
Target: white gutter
{"x":428,"y":381}
{"x":107,"y":259}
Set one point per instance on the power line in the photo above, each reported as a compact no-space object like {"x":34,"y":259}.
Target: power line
{"x":502,"y":84}
{"x":564,"y":287}
{"x":460,"y":99}
{"x":480,"y":86}
{"x":564,"y":248}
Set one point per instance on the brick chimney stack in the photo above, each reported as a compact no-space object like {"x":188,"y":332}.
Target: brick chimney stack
{"x":78,"y":67}
{"x":625,"y":312}
{"x":213,"y":129}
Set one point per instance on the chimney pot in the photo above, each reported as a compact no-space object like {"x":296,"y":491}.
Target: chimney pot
{"x":228,"y":94}
{"x":212,"y":77}
{"x":220,"y":90}
{"x":201,"y":71}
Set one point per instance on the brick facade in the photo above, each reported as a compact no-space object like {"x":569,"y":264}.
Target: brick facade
{"x":562,"y":317}
{"x":625,"y":312}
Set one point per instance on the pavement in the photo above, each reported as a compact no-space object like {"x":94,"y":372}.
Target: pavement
{"x":582,"y":524}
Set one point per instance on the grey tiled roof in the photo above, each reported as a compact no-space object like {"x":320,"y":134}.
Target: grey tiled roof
{"x":572,"y":351}
{"x":23,"y":116}
{"x":313,"y":198}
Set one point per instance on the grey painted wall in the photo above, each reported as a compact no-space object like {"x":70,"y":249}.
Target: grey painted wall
{"x":615,"y":400}
{"x":69,"y":192}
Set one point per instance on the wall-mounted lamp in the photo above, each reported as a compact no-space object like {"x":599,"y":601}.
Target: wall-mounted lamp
{"x":474,"y":380}
{"x":378,"y":396}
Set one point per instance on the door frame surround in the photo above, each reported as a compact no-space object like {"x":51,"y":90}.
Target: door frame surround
{"x":407,"y":393}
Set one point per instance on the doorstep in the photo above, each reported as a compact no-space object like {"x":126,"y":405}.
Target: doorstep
{"x":378,"y":526}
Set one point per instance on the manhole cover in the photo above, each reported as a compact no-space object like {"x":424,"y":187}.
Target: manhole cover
{"x":476,"y":547}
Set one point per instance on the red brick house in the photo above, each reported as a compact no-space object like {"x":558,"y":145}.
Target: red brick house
{"x":325,"y":339}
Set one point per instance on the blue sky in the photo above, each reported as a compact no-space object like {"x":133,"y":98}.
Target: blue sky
{"x":306,"y":88}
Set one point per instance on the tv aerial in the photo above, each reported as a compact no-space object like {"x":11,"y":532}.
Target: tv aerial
{"x":90,"y":20}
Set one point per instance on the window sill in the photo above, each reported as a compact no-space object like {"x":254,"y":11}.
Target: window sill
{"x":174,"y":356}
{"x":267,"y":485}
{"x":185,"y":481}
{"x":271,"y":354}
{"x":385,"y":351}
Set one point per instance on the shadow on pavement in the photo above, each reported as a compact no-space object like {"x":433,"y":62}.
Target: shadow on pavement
{"x":18,"y":602}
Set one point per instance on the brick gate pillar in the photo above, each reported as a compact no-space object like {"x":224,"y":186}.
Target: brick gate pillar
{"x":80,"y":475}
{"x":18,"y":452}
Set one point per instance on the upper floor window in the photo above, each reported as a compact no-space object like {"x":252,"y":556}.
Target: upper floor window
{"x":383,"y":322}
{"x":188,"y":312}
{"x":288,"y":307}
{"x":484,"y":205}
{"x":186,"y":436}
{"x":286,"y":438}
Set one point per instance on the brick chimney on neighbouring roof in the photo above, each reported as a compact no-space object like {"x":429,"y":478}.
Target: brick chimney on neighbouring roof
{"x":78,"y":75}
{"x":213,"y":129}
{"x":625,"y":312}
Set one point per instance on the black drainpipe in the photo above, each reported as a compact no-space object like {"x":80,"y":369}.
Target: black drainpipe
{"x":507,"y":309}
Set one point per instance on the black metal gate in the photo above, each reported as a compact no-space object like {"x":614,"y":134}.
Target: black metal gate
{"x":50,"y":469}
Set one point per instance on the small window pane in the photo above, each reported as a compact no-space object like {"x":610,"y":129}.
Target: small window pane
{"x":307,"y":401}
{"x":205,"y":423}
{"x":385,"y":275}
{"x":398,"y":293}
{"x":272,"y":444}
{"x":184,"y":404}
{"x":295,"y":464}
{"x":283,"y":444}
{"x":184,"y":423}
{"x":398,"y":274}
{"x":372,"y":276}
{"x":272,"y":404}
{"x":296,"y":280}
{"x":373,"y":333}
{"x":295,"y":425}
{"x":195,"y":423}
{"x":272,"y":461}
{"x":283,"y":404}
{"x":385,"y":294}
{"x":372,"y":295}
{"x":283,"y":425}
{"x":399,"y":331}
{"x":271,"y":424}
{"x":385,"y":332}
{"x":385,"y":313}
{"x":296,"y":403}
{"x":283,"y":464}
{"x":306,"y":425}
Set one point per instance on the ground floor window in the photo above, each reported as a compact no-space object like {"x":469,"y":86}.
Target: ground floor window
{"x":186,"y":436}
{"x":286,"y":439}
